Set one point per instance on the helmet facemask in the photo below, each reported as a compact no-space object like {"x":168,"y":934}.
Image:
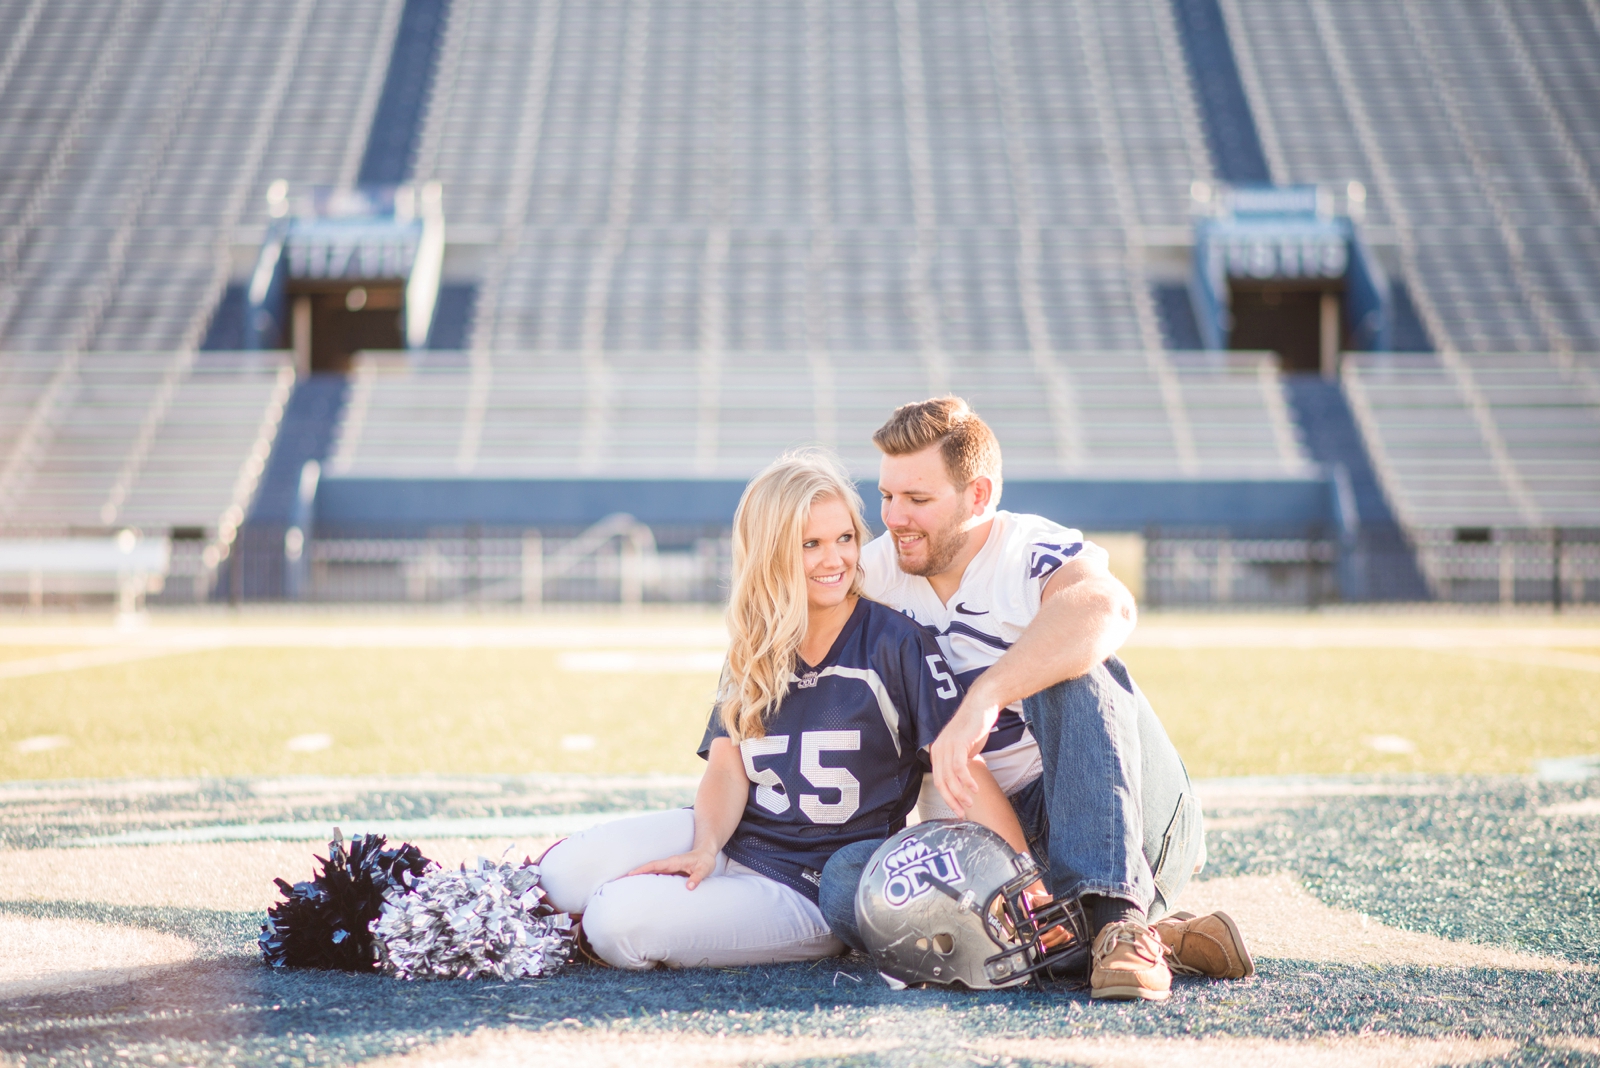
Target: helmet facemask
{"x":1019,"y":929}
{"x":946,"y":902}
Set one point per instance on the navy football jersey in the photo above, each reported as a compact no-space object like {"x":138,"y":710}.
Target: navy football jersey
{"x":843,"y":759}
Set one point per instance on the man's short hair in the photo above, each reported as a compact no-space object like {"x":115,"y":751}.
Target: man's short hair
{"x":966,"y":443}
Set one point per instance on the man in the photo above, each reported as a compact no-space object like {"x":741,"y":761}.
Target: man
{"x":1030,"y":617}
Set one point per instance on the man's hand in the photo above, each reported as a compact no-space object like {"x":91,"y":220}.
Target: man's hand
{"x":962,"y":739}
{"x":1037,"y":898}
{"x":1084,"y":616}
{"x":696,"y":865}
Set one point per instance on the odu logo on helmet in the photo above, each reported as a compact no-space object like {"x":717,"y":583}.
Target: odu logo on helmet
{"x":911,"y":869}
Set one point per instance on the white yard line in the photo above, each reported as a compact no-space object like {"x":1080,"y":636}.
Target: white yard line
{"x":1288,"y":636}
{"x":666,"y":646}
{"x":367,"y":636}
{"x":1556,"y":658}
{"x":88,"y":658}
{"x":321,"y":830}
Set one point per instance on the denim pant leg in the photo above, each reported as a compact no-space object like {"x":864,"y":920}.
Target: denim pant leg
{"x":836,"y":895}
{"x":1121,"y":818}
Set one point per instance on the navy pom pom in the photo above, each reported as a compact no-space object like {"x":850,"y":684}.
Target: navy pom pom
{"x":326,"y":923}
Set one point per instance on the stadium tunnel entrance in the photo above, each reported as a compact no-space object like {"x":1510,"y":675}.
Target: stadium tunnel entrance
{"x":332,"y":321}
{"x":1303,"y":324}
{"x":1276,"y":268}
{"x":344,"y":270}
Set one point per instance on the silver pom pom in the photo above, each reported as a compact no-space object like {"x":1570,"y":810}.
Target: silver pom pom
{"x":488,"y":921}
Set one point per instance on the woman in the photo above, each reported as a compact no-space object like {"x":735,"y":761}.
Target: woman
{"x":827,"y":704}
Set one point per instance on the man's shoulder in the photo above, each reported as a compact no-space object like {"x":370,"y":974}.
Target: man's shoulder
{"x":1034,"y":548}
{"x":1021,"y":531}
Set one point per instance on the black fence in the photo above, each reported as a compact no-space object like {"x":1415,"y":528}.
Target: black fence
{"x":1556,"y":566}
{"x":623,"y":561}
{"x":1195,"y":568}
{"x":616,"y":561}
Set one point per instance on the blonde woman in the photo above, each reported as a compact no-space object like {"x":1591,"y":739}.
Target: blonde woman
{"x":819,"y":739}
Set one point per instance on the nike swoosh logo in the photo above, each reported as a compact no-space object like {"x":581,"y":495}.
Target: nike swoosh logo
{"x":964,"y":610}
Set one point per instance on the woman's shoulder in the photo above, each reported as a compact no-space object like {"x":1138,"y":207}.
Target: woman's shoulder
{"x":883,"y":623}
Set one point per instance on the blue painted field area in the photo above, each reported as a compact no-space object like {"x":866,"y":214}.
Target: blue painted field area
{"x":1415,"y":920}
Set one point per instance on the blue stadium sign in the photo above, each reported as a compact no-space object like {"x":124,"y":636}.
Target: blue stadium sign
{"x":1278,"y":253}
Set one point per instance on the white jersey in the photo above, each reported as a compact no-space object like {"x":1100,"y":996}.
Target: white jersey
{"x":998,"y":598}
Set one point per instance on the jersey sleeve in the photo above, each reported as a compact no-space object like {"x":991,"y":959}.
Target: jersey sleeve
{"x":714,"y":730}
{"x":924,"y":689}
{"x":1047,"y":551}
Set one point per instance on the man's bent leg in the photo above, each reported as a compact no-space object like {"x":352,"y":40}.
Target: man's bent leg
{"x":1123,"y":819}
{"x":836,"y":895}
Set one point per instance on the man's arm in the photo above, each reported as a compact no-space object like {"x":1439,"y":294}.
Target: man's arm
{"x":1085,"y":614}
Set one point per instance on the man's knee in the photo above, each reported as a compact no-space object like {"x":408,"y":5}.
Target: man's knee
{"x":836,"y":894}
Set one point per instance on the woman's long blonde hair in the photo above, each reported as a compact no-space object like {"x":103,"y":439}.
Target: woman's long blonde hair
{"x":767,"y":611}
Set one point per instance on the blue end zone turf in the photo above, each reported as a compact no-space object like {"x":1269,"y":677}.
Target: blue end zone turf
{"x":1502,"y":862}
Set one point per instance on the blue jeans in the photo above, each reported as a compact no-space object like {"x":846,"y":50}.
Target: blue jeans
{"x":1113,"y":814}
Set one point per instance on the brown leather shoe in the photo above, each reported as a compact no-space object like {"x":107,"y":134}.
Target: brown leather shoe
{"x":1129,"y":964}
{"x":1205,"y":945}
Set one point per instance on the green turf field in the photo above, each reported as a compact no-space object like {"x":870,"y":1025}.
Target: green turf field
{"x":1232,"y":711}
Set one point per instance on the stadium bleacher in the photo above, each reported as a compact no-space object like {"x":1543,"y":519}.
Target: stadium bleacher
{"x":137,"y":140}
{"x":133,"y":445}
{"x":1470,"y":132}
{"x":659,"y":416}
{"x":1519,"y":454}
{"x":684,"y":235}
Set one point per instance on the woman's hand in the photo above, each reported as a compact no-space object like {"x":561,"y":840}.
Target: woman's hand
{"x":697,"y":865}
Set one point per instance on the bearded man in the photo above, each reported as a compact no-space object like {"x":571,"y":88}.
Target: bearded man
{"x":1030,"y":618}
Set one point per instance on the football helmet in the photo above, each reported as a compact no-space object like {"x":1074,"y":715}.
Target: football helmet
{"x":944,"y":902}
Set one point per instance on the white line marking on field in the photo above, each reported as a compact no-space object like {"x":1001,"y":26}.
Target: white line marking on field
{"x":89,"y":658}
{"x":1568,"y":769}
{"x":1389,"y":743}
{"x":1343,"y":1051}
{"x":309,"y":743}
{"x":1589,"y":806}
{"x":576,"y":1044}
{"x":290,"y":785}
{"x":334,"y":635}
{"x":1556,"y":658}
{"x":610,"y":663}
{"x":1293,"y":791}
{"x":42,"y":743}
{"x":1157,"y":635}
{"x":322,"y":830}
{"x":577,"y":743}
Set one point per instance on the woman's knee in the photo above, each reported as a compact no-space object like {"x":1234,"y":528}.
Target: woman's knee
{"x":618,"y":929}
{"x":564,"y":878}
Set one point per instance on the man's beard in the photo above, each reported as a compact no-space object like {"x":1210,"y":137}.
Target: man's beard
{"x":943,"y":548}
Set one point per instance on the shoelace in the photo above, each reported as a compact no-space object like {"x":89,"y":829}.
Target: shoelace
{"x":1176,"y":966}
{"x":1130,"y":934}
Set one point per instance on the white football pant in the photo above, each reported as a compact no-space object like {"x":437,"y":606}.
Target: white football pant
{"x":736,"y":916}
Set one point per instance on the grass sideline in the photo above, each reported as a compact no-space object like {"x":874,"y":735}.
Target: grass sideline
{"x":1231,"y":711}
